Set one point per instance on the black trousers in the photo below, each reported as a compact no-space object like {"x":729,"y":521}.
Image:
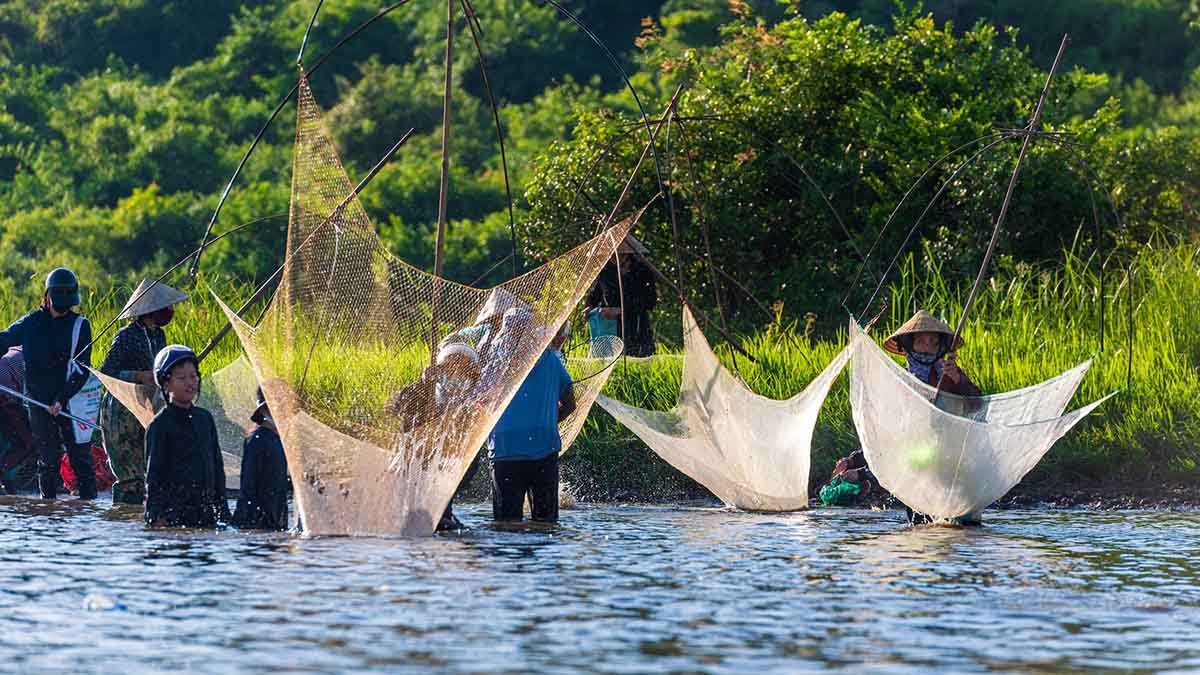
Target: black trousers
{"x":513,"y":479}
{"x":50,"y":434}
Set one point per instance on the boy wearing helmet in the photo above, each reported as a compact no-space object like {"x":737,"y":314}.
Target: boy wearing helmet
{"x":54,"y":373}
{"x":185,"y":475}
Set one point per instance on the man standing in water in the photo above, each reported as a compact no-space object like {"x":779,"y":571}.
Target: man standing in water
{"x":50,"y":335}
{"x":524,"y":446}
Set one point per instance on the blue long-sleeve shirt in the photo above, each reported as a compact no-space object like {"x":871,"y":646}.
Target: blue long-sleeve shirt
{"x":46,"y":343}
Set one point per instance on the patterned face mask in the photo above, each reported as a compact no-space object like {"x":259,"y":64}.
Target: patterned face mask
{"x":920,"y":364}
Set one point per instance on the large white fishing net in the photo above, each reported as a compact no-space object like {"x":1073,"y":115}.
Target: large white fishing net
{"x":228,"y":394}
{"x":589,"y":375}
{"x":954,"y":458}
{"x":751,"y":452}
{"x":377,"y":436}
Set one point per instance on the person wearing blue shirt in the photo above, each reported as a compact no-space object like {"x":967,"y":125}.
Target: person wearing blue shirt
{"x":524,"y":446}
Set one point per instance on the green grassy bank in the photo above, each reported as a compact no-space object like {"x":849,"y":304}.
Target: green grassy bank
{"x":1028,"y":325}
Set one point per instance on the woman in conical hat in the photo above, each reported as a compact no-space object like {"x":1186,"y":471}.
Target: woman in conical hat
{"x":131,"y":358}
{"x":924,"y":342}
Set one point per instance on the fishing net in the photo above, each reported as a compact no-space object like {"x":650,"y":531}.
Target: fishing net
{"x":751,"y":452}
{"x":228,"y":394}
{"x":957,"y":456}
{"x":377,"y":431}
{"x":589,"y":374}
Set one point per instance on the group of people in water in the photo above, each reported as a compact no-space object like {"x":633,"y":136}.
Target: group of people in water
{"x":174,"y":466}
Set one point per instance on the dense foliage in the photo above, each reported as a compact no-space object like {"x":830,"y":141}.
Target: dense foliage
{"x":120,"y":123}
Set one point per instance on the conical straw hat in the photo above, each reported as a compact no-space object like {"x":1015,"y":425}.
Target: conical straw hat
{"x":921,"y":322}
{"x":145,"y":301}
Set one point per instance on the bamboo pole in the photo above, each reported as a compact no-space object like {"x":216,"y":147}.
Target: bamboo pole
{"x":1030,"y":132}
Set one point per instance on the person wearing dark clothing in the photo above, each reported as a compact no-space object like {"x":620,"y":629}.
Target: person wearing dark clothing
{"x":924,"y":342}
{"x":636,"y":280}
{"x":262,"y":497}
{"x":16,"y":440}
{"x":185,"y":475}
{"x":131,"y":358}
{"x":524,"y":446}
{"x":50,"y":335}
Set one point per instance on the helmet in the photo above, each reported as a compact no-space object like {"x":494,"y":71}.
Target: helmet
{"x":63,"y":287}
{"x":169,"y":357}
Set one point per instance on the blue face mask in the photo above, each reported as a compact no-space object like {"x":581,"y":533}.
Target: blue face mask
{"x":920,"y":364}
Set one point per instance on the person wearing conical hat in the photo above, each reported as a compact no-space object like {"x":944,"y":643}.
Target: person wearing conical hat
{"x":924,"y":342}
{"x":131,"y":358}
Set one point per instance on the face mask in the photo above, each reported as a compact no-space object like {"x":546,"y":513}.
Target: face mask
{"x":61,"y":309}
{"x":163,"y":316}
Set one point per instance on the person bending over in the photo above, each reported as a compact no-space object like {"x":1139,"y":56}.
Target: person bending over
{"x":431,"y":408}
{"x":185,"y":475}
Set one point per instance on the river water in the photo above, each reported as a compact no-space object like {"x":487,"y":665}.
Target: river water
{"x":612,"y":589}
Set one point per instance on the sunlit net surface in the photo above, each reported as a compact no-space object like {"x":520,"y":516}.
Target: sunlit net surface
{"x":376,"y":444}
{"x":589,"y":374}
{"x":957,"y":457}
{"x":750,"y":451}
{"x":228,"y":394}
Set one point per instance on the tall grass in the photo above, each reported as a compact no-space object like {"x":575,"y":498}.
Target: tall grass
{"x":1028,"y":325}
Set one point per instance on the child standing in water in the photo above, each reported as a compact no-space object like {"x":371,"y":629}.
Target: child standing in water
{"x":185,"y":475}
{"x":262,"y":497}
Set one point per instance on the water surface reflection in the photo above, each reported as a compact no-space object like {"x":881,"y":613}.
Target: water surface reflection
{"x":621,"y":589}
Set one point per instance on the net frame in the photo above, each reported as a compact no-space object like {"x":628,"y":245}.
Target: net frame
{"x":751,"y":451}
{"x":351,"y":323}
{"x":956,"y":457}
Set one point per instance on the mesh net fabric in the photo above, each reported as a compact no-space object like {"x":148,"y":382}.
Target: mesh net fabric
{"x":377,"y":438}
{"x":957,"y":457}
{"x":590,"y":374}
{"x":750,"y":451}
{"x":228,"y":394}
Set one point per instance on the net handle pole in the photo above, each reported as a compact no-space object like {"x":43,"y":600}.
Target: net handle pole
{"x":279,"y":108}
{"x":18,"y":395}
{"x":444,"y":186}
{"x":439,"y":251}
{"x":1031,"y":131}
